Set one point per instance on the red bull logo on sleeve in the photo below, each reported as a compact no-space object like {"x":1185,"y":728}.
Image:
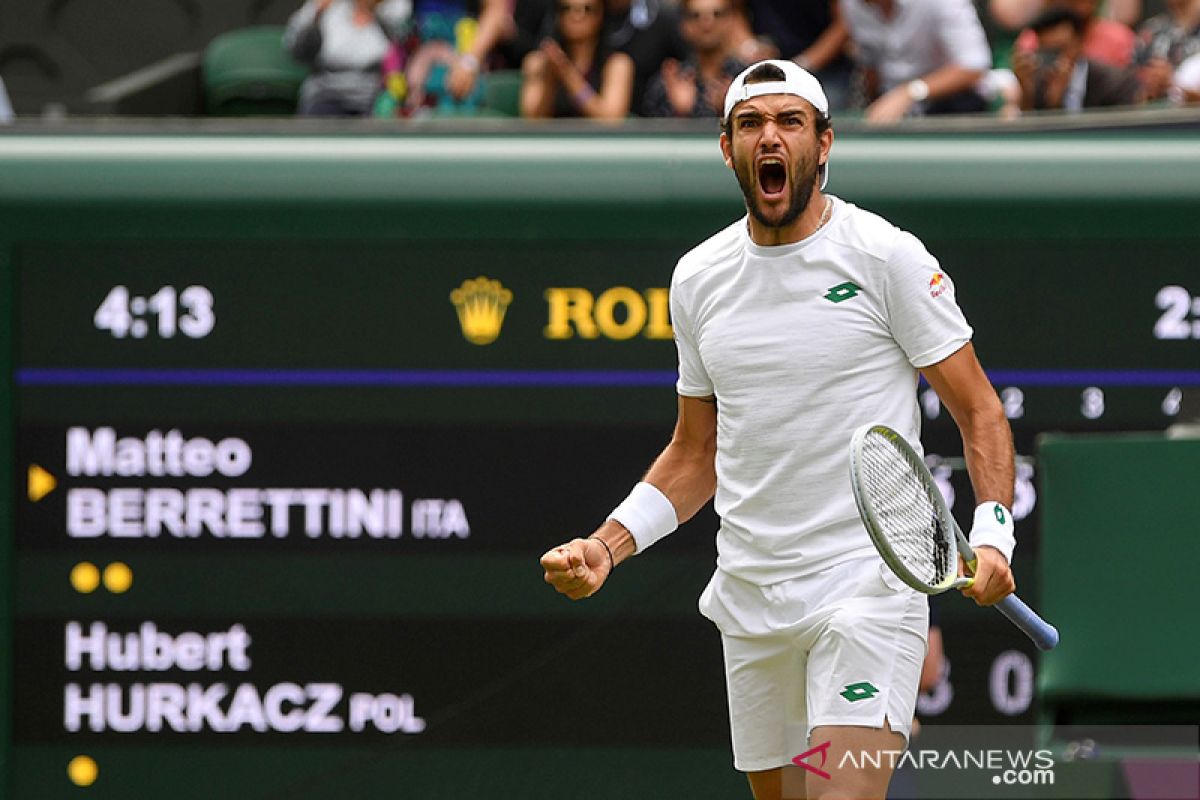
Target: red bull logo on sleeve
{"x":938,"y":284}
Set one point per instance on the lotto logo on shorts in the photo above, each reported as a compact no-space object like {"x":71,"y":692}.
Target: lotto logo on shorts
{"x":859,"y":691}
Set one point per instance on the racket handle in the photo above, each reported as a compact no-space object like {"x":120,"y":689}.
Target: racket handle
{"x":1043,"y":634}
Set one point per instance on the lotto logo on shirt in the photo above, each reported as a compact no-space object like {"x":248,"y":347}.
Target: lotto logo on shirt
{"x":938,"y":284}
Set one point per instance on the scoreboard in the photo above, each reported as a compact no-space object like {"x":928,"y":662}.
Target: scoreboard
{"x":289,"y":420}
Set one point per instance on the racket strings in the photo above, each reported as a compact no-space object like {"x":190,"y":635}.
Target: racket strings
{"x":906,"y":513}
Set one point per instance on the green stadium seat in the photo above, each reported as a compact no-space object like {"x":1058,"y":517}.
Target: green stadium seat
{"x":502,"y":92}
{"x":248,"y":73}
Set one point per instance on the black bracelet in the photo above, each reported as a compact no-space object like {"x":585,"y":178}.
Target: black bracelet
{"x":612,"y":564}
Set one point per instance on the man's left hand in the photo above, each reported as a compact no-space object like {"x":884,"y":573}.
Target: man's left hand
{"x":993,"y":578}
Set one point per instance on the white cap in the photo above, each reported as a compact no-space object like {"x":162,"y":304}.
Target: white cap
{"x":797,"y":81}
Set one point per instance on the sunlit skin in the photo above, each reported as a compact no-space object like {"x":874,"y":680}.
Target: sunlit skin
{"x":775,"y":134}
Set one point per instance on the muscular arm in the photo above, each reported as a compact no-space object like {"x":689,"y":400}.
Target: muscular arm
{"x":685,"y":471}
{"x":987,"y":440}
{"x":951,"y":79}
{"x":987,"y":444}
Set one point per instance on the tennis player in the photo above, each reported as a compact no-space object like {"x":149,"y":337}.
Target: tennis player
{"x":795,"y":325}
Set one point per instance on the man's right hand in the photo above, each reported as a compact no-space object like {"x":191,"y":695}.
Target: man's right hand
{"x":1024,"y":66}
{"x":578,"y":568}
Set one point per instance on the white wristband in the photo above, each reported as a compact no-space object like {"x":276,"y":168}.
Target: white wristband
{"x":647,"y":514}
{"x":993,"y":526}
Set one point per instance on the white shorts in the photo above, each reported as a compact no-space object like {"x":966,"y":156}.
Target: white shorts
{"x":842,"y":647}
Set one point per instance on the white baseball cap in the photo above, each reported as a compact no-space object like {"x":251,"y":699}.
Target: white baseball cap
{"x":797,"y":81}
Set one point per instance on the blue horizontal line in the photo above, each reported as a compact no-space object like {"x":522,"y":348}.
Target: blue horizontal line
{"x":412,"y":378}
{"x":1095,"y":377}
{"x":536,"y":378}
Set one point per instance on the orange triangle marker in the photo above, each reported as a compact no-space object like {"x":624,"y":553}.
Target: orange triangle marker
{"x":41,"y":483}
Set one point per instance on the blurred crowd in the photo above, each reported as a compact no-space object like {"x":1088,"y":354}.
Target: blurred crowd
{"x":885,"y":60}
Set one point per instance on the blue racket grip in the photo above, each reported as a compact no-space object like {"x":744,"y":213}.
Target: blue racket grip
{"x":1043,"y":634}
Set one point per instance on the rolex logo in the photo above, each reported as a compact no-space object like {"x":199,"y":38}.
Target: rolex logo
{"x":481,"y":304}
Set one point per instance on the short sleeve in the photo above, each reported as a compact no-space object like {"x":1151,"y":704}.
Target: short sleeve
{"x":693,"y":377}
{"x":922,"y":310}
{"x":962,"y":37}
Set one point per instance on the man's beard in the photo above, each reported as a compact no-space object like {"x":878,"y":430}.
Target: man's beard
{"x":802,"y":192}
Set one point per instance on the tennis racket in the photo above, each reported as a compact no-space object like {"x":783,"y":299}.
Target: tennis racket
{"x":911,"y":526}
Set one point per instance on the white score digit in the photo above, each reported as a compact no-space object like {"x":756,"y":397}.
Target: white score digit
{"x":1010,"y":683}
{"x":162,"y":303}
{"x":199,"y":319}
{"x":1092,"y":405}
{"x":931,"y":403}
{"x":122,"y":315}
{"x":942,"y":473}
{"x":1014,"y":402}
{"x":113,"y":314}
{"x":1177,"y":303}
{"x":1172,"y":402}
{"x":1024,"y":491}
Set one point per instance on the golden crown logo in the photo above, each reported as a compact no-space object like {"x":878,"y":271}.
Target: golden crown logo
{"x":481,"y":304}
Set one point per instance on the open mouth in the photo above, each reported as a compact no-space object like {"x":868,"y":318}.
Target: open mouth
{"x":772,"y":177}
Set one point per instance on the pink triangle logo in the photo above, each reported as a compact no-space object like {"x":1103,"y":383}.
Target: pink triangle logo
{"x":823,"y":749}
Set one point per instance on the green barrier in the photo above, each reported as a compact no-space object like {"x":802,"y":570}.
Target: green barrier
{"x":1119,"y":525}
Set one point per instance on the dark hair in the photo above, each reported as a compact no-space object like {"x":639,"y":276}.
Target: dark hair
{"x":1056,"y":15}
{"x":603,"y":48}
{"x":768,"y":73}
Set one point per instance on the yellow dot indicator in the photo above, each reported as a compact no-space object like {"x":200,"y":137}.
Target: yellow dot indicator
{"x":85,"y":577}
{"x":83,"y":771}
{"x":118,"y":577}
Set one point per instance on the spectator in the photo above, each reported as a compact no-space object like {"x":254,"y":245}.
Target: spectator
{"x":919,"y":56}
{"x":1060,"y":76}
{"x":343,"y":42}
{"x":450,"y":44}
{"x":648,"y":31}
{"x":575,"y":73}
{"x":747,"y":46}
{"x":1164,"y":42}
{"x":812,"y":34}
{"x":696,"y":86}
{"x":1014,"y":15}
{"x":1104,"y":40}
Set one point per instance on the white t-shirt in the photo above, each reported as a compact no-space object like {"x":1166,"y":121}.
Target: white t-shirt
{"x":920,"y":37}
{"x":802,"y":344}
